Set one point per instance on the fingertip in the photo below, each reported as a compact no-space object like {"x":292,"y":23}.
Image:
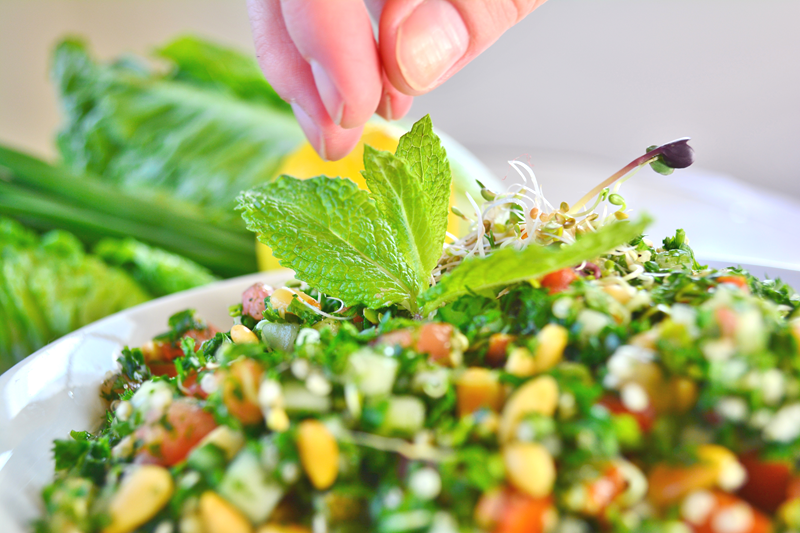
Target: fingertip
{"x":401,"y":104}
{"x":310,"y":128}
{"x":394,"y":104}
{"x":330,"y":141}
{"x":339,"y":142}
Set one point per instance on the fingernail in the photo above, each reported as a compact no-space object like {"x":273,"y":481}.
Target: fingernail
{"x":311,"y":130}
{"x":331,"y":98}
{"x":429,"y":42}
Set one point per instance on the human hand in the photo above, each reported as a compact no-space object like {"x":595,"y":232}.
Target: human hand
{"x":322,"y":58}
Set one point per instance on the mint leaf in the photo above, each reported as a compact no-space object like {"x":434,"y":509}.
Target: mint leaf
{"x":402,"y":203}
{"x":332,"y":235}
{"x":507,"y":266}
{"x":422,"y":149}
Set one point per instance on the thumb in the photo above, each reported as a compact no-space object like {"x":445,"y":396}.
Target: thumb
{"x":424,"y":42}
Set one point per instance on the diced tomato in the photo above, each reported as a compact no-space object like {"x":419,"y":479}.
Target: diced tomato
{"x":793,"y":488}
{"x":399,"y":337}
{"x":509,"y":511}
{"x":191,"y":387}
{"x":739,"y":281}
{"x":163,"y":369}
{"x":167,"y":442}
{"x":727,"y":321}
{"x":498,"y":346}
{"x":164,"y":352}
{"x":240,"y":390}
{"x":435,"y":340}
{"x":559,"y":280}
{"x":669,"y":484}
{"x":171,"y":351}
{"x":524,"y":514}
{"x":767,"y":482}
{"x":253,"y":300}
{"x":603,"y":491}
{"x":758,"y":524}
{"x":645,"y":418}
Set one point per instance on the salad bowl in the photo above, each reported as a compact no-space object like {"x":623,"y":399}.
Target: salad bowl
{"x":56,"y":390}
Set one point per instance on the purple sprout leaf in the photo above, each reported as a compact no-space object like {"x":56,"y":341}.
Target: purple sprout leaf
{"x":663,"y":159}
{"x":677,"y":154}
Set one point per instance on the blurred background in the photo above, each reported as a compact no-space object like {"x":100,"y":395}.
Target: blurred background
{"x":594,"y":78}
{"x":576,"y":90}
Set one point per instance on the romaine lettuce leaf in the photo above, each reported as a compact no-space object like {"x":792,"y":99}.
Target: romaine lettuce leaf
{"x":50,"y":286}
{"x":158,"y":271}
{"x":199,"y":137}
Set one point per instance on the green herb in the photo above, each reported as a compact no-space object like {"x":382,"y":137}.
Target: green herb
{"x":159,"y":271}
{"x":422,"y":150}
{"x":403,"y":205}
{"x":85,"y":455}
{"x":508,"y":266}
{"x":332,"y":235}
{"x":678,"y":242}
{"x":379,"y":249}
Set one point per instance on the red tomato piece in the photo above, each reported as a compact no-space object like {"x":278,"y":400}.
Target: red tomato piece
{"x":645,"y":418}
{"x":170,"y":351}
{"x":604,"y":490}
{"x":506,"y":510}
{"x":759,"y":523}
{"x":727,"y":321}
{"x":162,"y":369}
{"x":253,"y":300}
{"x":498,"y":346}
{"x":793,"y":488}
{"x":240,"y":391}
{"x":767,"y":483}
{"x":739,"y":281}
{"x":524,"y":514}
{"x":399,"y":337}
{"x":167,"y":442}
{"x":435,"y":340}
{"x":559,"y":280}
{"x":191,"y":387}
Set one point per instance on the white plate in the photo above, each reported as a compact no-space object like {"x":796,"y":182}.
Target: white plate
{"x":55,"y":390}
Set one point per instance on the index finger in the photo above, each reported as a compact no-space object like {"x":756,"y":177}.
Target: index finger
{"x":336,"y":39}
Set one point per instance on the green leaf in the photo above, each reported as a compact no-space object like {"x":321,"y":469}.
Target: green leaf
{"x":159,"y":271}
{"x":422,"y":149}
{"x":332,"y":235}
{"x":222,"y":69}
{"x":46,"y":197}
{"x":49,"y":287}
{"x":508,"y":266}
{"x":402,"y":203}
{"x":146,"y":129}
{"x":662,"y":168}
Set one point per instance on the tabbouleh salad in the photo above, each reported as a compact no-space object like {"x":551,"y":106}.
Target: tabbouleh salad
{"x":553,"y":371}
